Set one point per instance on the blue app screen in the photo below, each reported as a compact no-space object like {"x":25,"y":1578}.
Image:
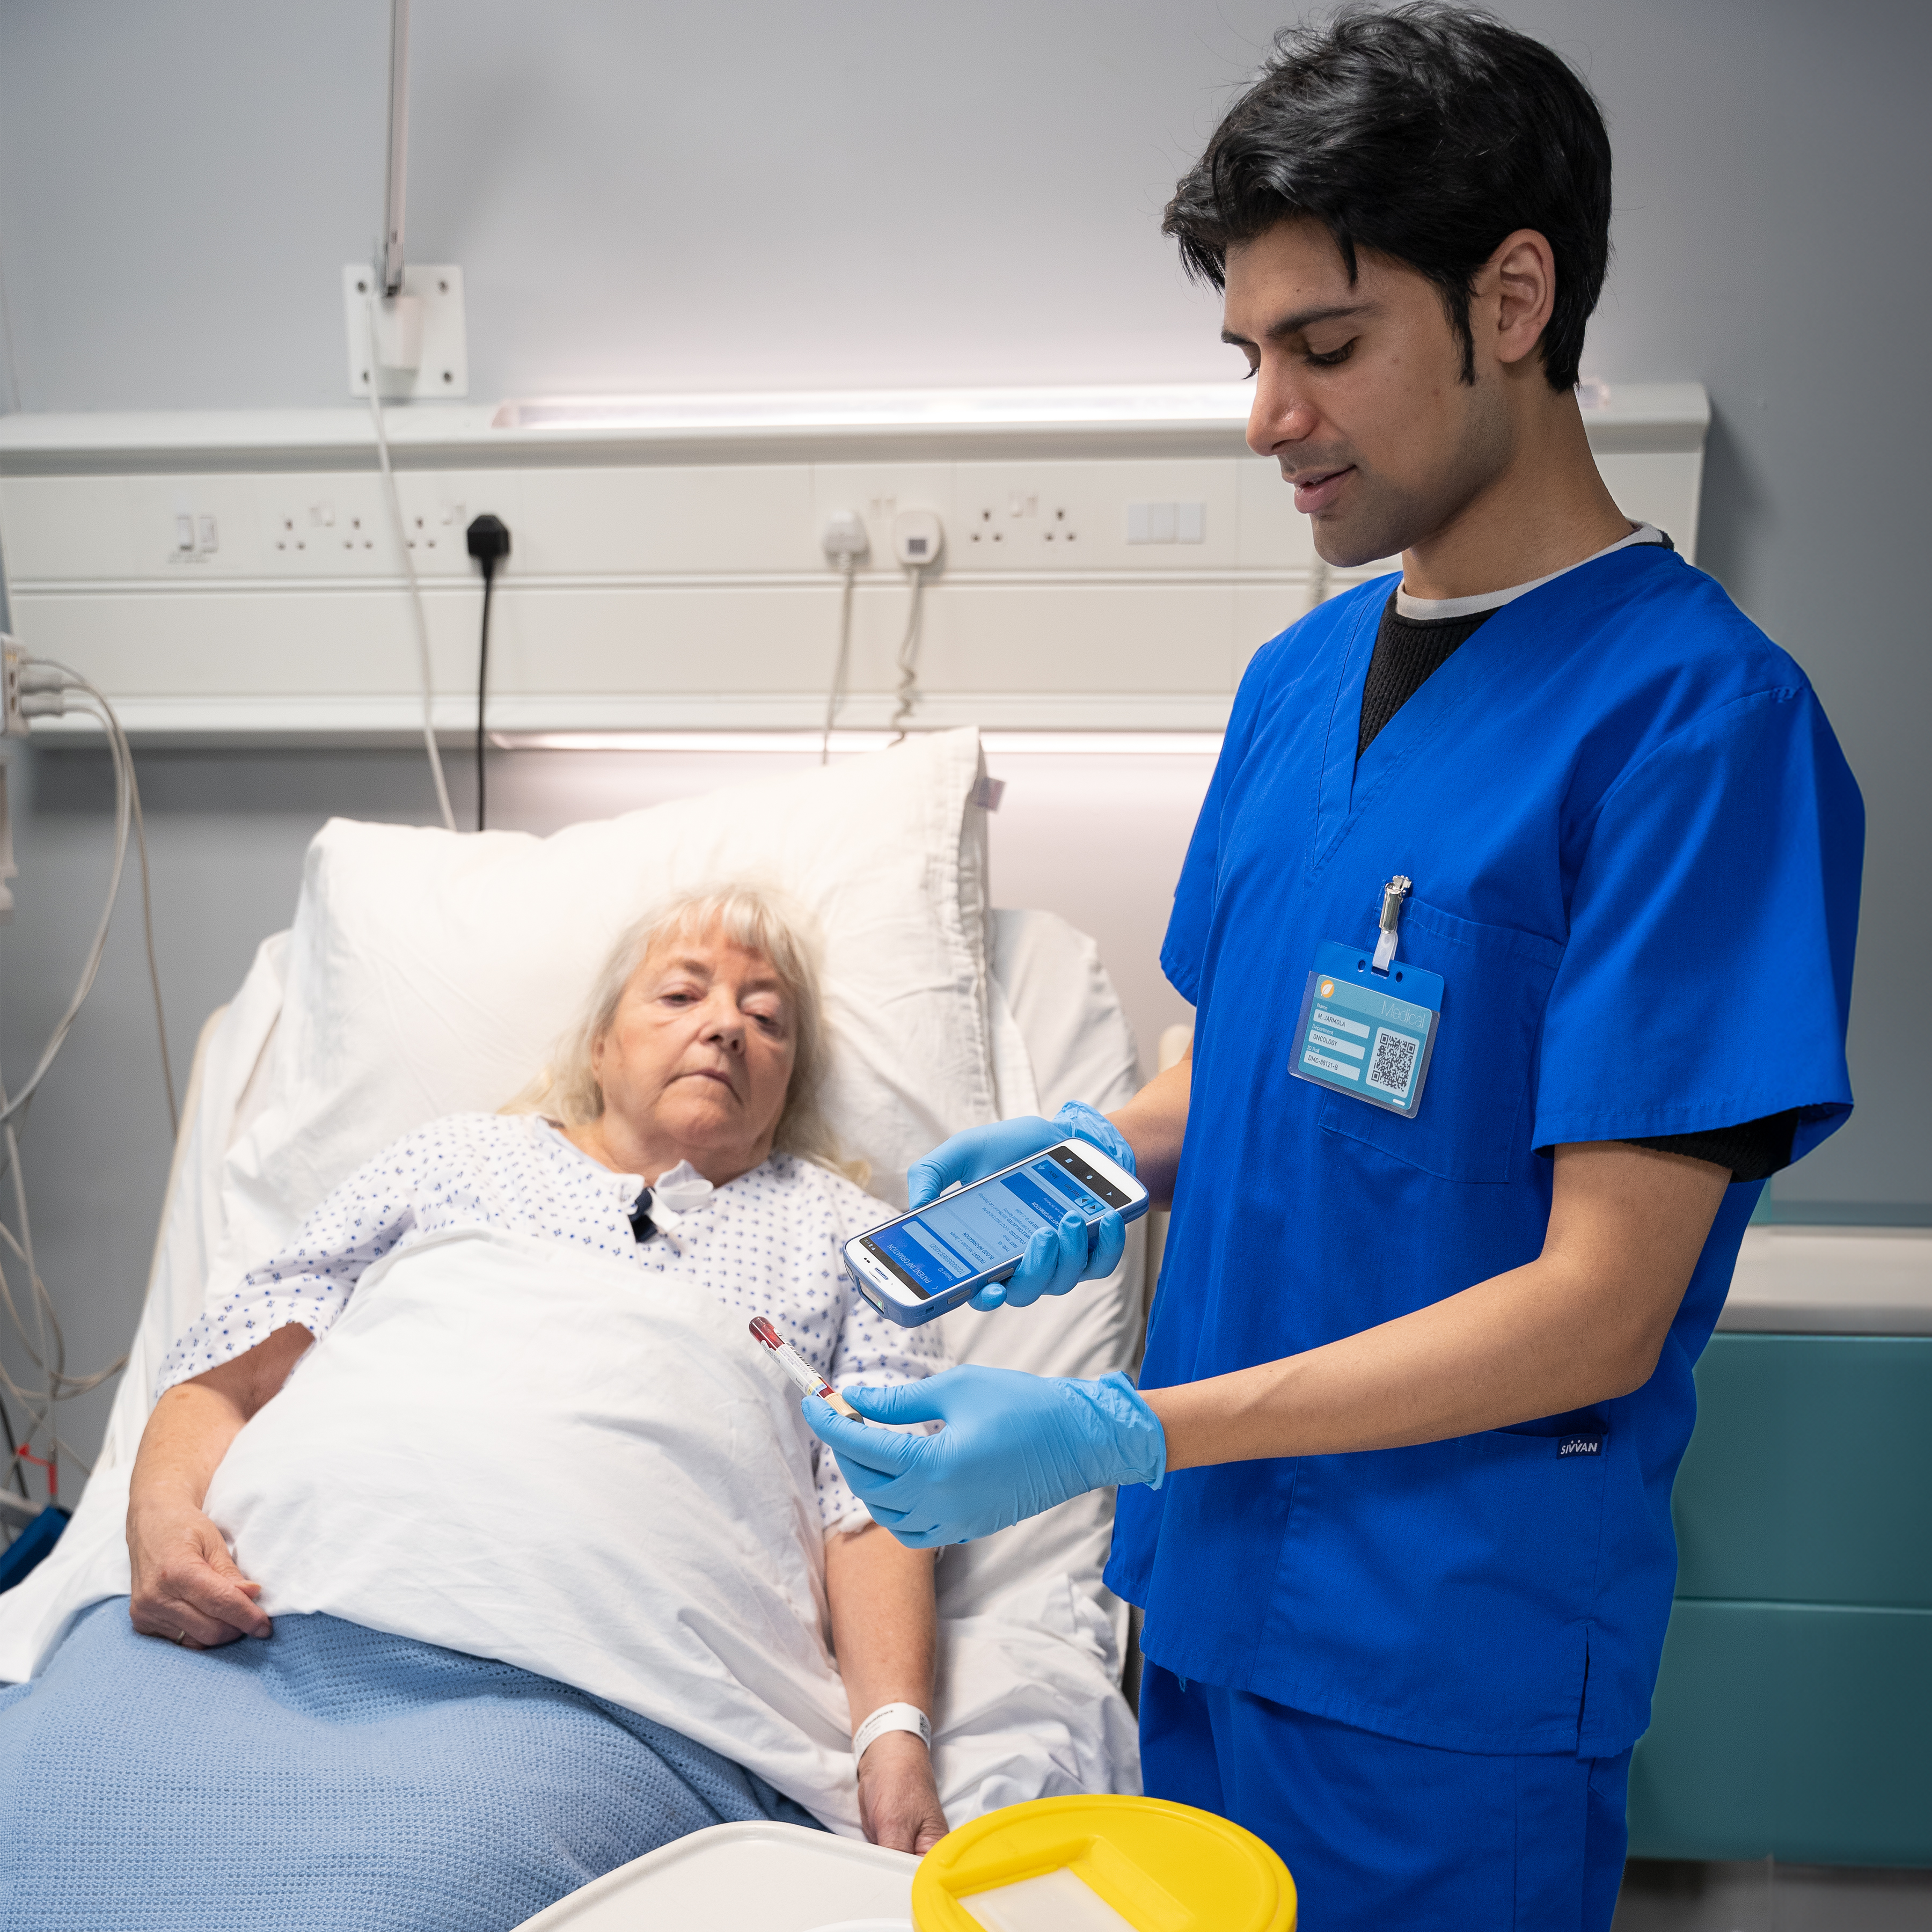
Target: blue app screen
{"x":983,"y":1227}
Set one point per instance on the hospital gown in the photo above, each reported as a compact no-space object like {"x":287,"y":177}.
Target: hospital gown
{"x":767,"y":1244}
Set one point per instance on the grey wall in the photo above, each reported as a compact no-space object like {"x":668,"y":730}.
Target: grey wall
{"x":648,"y":197}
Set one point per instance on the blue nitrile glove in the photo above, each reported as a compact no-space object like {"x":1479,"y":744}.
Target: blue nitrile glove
{"x":1055,"y":1258}
{"x":1013,"y":1445}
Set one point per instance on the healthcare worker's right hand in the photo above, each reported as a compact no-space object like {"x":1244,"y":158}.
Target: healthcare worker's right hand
{"x":1013,"y":1445}
{"x":1056,"y":1257}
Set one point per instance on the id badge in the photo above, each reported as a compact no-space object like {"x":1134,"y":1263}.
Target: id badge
{"x":1365,"y":1033}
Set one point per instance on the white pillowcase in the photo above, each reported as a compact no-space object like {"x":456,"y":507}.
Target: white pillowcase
{"x":1051,"y":993}
{"x":430,"y":973}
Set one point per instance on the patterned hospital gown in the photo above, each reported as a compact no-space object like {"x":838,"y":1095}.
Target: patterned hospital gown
{"x":766,"y":1243}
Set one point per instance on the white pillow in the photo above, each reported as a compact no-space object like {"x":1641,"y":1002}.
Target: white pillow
{"x":430,"y":973}
{"x":1050,"y":988}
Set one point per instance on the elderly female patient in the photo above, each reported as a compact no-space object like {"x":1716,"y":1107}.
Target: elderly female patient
{"x":553,"y":1562}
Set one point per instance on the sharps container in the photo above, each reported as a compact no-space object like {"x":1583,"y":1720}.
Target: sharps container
{"x":1102,"y":1865}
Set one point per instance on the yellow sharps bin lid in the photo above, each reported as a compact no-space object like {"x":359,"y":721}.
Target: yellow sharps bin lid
{"x":1065,"y":1865}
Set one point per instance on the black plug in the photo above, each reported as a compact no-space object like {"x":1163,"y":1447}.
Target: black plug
{"x":489,"y":540}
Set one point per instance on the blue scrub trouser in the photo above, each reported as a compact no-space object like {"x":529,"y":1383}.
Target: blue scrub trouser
{"x":1380,"y":1833}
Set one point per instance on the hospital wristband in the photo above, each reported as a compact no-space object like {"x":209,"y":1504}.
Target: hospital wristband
{"x":892,"y":1717}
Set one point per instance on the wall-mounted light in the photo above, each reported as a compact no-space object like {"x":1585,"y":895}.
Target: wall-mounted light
{"x":1175,"y":404}
{"x":998,"y":744}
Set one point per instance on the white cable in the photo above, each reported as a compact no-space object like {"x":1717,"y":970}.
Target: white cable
{"x":409,"y":570}
{"x":119,"y":746}
{"x":148,"y":935}
{"x":908,"y":657}
{"x":122,"y":818}
{"x":848,"y":565}
{"x":52,"y":688}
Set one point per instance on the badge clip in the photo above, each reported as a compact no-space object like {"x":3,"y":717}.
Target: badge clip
{"x":1393,"y":893}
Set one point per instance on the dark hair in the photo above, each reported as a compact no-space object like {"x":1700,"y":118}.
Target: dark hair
{"x":1427,"y":133}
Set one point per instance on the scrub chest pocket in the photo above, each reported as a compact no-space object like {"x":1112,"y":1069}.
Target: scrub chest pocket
{"x":1473,"y":1122}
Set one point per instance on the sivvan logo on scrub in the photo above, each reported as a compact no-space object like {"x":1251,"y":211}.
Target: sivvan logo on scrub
{"x":1580,"y":1445}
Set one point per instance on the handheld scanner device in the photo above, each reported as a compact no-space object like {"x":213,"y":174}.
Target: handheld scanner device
{"x":929,"y":1261}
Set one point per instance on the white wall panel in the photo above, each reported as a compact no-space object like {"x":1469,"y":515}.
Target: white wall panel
{"x":750,"y":518}
{"x":675,"y":574}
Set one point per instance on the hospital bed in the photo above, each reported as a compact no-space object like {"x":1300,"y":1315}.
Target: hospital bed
{"x":423,"y":974}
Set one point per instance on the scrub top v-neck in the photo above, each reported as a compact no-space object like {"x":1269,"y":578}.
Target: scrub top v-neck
{"x":1635,"y":848}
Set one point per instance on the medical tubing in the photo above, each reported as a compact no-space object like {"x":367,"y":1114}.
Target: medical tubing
{"x":148,"y":940}
{"x":122,"y":774}
{"x":54,"y":1357}
{"x":416,"y":589}
{"x":50,"y":1357}
{"x":13,"y":1464}
{"x":36,"y":1408}
{"x":117,"y":736}
{"x":848,"y":566}
{"x":908,"y":657}
{"x":51,"y":689}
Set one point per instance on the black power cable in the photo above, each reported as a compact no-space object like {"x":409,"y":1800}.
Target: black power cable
{"x":489,"y":540}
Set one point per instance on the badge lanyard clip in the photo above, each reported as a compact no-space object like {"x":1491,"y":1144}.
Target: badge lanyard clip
{"x":1393,"y":893}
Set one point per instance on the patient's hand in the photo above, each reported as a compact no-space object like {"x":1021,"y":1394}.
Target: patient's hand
{"x":898,"y":1803}
{"x":186,"y":1587}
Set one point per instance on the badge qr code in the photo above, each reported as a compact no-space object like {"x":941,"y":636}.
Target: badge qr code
{"x":1368,"y":1034}
{"x":1394,"y":1067}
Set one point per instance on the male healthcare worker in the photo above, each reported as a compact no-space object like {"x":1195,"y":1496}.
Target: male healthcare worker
{"x":1519,"y":921}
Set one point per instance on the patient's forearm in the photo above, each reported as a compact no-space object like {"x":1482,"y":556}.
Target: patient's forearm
{"x":184,"y":1441}
{"x":884,"y":1628}
{"x":1153,"y":1122}
{"x":883,"y":1624}
{"x":194,"y":1422}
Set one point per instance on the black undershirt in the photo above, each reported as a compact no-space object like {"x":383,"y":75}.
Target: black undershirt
{"x":1408,"y":652}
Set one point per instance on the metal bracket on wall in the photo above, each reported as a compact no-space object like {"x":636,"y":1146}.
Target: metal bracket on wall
{"x":436,"y":361}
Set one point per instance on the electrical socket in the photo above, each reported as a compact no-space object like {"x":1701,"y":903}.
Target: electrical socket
{"x":337,"y":528}
{"x":1021,"y":530}
{"x":436,"y":536}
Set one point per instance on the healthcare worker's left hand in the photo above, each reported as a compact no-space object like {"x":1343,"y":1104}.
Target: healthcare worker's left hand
{"x":1013,"y":1445}
{"x":1056,"y":1258}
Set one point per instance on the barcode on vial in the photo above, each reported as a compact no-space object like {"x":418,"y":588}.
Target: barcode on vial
{"x":1394,"y":1066}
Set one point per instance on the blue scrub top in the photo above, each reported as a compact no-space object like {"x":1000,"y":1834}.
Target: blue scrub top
{"x":1635,"y":850}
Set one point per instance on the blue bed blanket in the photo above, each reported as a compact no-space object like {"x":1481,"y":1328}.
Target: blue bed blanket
{"x":328,"y":1779}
